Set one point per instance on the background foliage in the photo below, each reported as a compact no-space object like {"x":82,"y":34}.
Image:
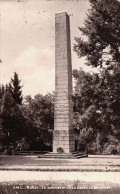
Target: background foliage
{"x":96,"y":97}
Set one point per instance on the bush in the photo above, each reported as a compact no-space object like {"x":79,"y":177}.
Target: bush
{"x":60,"y":150}
{"x":111,"y":149}
{"x":22,"y":145}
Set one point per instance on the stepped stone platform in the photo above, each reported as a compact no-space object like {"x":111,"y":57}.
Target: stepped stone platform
{"x":29,"y":152}
{"x":72,"y":155}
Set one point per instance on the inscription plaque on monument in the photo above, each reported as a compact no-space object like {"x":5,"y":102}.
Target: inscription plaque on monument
{"x":63,"y":136}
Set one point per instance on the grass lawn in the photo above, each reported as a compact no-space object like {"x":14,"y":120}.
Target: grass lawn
{"x":24,"y":160}
{"x":10,"y":160}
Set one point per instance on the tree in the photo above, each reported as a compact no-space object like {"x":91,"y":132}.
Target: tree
{"x":11,"y":118}
{"x":15,"y":89}
{"x":14,"y":125}
{"x":97,"y":107}
{"x":102,"y":32}
{"x":6,"y":116}
{"x":40,"y":111}
{"x":87,"y":98}
{"x":101,"y":47}
{"x":2,"y":89}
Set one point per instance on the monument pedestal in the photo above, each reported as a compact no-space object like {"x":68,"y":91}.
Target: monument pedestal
{"x":63,"y":139}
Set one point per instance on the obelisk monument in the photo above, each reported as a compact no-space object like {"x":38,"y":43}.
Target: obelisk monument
{"x":63,"y":137}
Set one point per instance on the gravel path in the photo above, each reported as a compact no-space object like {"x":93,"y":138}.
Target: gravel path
{"x":93,"y":177}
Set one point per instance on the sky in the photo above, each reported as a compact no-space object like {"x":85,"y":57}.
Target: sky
{"x":27,"y":41}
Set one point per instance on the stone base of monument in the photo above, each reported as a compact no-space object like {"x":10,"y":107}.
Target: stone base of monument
{"x":63,"y":141}
{"x":72,"y":155}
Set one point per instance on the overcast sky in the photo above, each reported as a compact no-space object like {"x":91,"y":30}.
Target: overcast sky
{"x":27,"y":40}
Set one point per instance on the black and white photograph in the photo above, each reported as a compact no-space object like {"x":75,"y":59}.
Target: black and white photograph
{"x":59,"y":96}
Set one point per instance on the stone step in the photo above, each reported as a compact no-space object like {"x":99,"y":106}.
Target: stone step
{"x":59,"y":157}
{"x":63,"y":155}
{"x":28,"y":152}
{"x":58,"y":154}
{"x":77,"y":154}
{"x":82,"y":156}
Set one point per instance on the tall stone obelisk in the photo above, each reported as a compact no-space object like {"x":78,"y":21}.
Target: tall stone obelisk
{"x":63,"y":136}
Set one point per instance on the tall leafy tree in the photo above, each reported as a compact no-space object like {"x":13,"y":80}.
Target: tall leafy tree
{"x":100,"y":44}
{"x":86,"y":98}
{"x":15,"y":89}
{"x":6,"y":118}
{"x":40,"y":111}
{"x":101,"y":34}
{"x":14,"y":124}
{"x":96,"y":112}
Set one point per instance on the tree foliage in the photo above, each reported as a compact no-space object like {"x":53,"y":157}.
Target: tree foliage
{"x":2,"y":89}
{"x":101,"y":44}
{"x":40,"y":111}
{"x":14,"y":125}
{"x":15,"y":88}
{"x":97,"y":96}
{"x":96,"y":107}
{"x":28,"y":122}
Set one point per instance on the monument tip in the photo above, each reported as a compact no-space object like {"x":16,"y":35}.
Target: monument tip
{"x":61,"y":13}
